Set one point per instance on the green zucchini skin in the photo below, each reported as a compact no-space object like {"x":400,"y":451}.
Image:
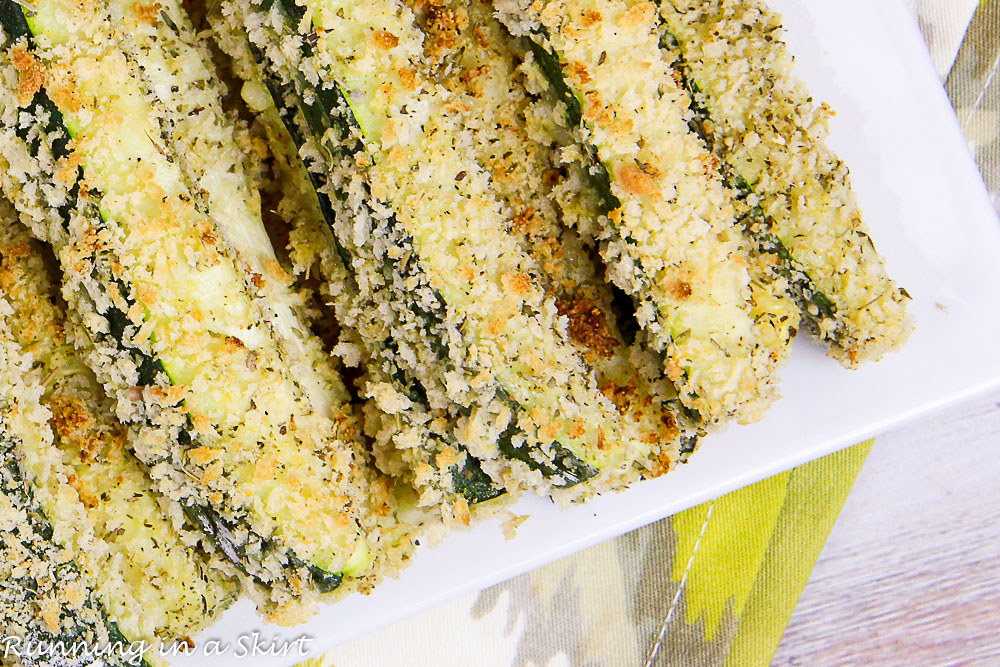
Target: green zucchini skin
{"x":329,"y":118}
{"x":551,"y":67}
{"x":231,"y":535}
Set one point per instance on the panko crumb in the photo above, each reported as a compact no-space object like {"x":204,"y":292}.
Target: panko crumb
{"x":511,"y":524}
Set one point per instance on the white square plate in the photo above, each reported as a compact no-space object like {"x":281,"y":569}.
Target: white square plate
{"x":932,"y":220}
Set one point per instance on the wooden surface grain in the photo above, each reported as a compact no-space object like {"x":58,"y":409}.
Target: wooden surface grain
{"x":911,"y":572}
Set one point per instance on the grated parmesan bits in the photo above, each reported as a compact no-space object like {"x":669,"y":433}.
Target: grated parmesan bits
{"x":770,"y":134}
{"x":554,"y":212}
{"x":669,"y":238}
{"x":427,"y":243}
{"x":177,"y":336}
{"x":153,"y":583}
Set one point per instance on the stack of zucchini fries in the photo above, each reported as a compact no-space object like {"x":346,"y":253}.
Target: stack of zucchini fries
{"x":288,"y":283}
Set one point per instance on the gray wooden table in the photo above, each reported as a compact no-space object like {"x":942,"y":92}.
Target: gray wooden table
{"x":911,"y":572}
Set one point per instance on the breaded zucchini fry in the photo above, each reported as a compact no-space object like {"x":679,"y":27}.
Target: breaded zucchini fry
{"x":199,"y":136}
{"x":45,"y":597}
{"x":214,"y":154}
{"x":412,"y":442}
{"x":771,"y":137}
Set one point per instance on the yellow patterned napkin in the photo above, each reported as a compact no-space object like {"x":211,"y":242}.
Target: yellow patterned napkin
{"x":974,"y":87}
{"x":714,"y":585}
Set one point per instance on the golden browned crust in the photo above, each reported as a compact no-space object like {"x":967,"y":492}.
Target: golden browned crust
{"x":588,"y":324}
{"x":31,"y":73}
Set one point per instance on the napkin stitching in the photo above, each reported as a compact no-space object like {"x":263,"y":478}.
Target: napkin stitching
{"x":673,"y":603}
{"x":989,"y":82}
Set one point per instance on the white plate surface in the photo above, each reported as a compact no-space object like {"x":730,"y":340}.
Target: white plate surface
{"x":931,"y":218}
